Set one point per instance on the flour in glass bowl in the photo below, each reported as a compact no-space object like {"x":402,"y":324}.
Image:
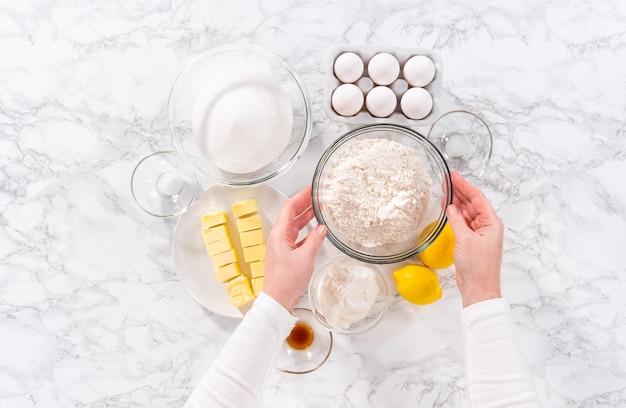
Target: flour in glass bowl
{"x":376,"y":192}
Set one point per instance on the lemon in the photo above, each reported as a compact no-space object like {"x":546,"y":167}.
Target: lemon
{"x":418,"y":284}
{"x":439,"y":254}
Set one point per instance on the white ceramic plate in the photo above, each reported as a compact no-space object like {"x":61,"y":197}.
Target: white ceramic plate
{"x":193,"y":265}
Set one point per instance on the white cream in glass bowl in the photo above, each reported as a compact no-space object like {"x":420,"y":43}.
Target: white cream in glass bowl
{"x":348,"y":296}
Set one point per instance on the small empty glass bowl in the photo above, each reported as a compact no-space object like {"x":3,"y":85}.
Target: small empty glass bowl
{"x":465,"y":140}
{"x":433,"y":219}
{"x":307,"y":346}
{"x":210,"y":85}
{"x":341,"y":295}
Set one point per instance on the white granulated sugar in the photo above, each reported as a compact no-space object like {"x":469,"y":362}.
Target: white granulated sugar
{"x":242,"y":121}
{"x":376,"y":192}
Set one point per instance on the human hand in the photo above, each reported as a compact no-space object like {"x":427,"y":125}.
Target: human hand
{"x":289,"y":265}
{"x":479,"y":234}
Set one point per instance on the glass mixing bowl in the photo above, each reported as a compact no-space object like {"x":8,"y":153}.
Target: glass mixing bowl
{"x":208,"y":73}
{"x":433,"y":219}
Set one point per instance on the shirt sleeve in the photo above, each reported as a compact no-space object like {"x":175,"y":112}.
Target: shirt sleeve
{"x":497,"y":375}
{"x":240,"y":371}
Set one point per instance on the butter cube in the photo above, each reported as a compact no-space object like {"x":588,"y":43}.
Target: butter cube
{"x":243,"y":208}
{"x":241,"y":300}
{"x":257,"y":285}
{"x":214,"y":219}
{"x":249,"y":223}
{"x":227,"y":272}
{"x":224,"y":258}
{"x":254,"y":253}
{"x":239,"y":285}
{"x":239,"y":290}
{"x":251,"y":238}
{"x":257,"y":269}
{"x":217,"y":247}
{"x":214,"y":234}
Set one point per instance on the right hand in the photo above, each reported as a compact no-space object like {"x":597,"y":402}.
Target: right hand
{"x":289,"y":264}
{"x":479,"y":234}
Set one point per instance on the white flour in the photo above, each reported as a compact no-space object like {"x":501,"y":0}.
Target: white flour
{"x":376,"y":192}
{"x":242,"y":121}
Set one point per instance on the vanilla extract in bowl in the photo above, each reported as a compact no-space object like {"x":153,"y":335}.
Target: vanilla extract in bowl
{"x":307,"y":346}
{"x":301,"y":336}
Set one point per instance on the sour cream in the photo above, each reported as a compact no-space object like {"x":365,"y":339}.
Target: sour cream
{"x":347,"y":293}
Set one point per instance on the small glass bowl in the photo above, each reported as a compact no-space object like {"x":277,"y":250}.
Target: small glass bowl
{"x":374,"y":315}
{"x":294,"y":361}
{"x":222,"y":62}
{"x":465,"y":141}
{"x":434,"y":217}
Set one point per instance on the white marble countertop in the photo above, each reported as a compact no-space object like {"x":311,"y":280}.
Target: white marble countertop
{"x":91,"y":310}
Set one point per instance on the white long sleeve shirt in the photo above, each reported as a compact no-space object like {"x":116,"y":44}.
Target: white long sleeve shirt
{"x":496,"y":373}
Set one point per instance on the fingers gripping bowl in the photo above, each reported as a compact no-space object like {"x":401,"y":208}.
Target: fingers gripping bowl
{"x":376,"y":188}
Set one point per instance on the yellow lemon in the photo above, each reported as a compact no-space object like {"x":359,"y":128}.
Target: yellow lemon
{"x":418,"y":284}
{"x":439,"y":254}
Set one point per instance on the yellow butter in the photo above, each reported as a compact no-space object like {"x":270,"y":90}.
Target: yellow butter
{"x":254,"y":253}
{"x":243,"y":208}
{"x":214,"y":234}
{"x":251,"y":238}
{"x":214,"y":219}
{"x":224,"y":258}
{"x":239,"y":285}
{"x":257,"y":269}
{"x":241,"y":300}
{"x":252,"y":222}
{"x":227,"y":272}
{"x":257,"y":285}
{"x":218,"y":247}
{"x":239,"y":290}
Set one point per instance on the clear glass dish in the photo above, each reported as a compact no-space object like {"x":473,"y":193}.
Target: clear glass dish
{"x":316,"y":287}
{"x":434,"y":217}
{"x":306,"y":359}
{"x":208,"y":69}
{"x":465,"y":140}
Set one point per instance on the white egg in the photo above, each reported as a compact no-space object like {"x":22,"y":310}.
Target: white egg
{"x":347,"y":100}
{"x":383,"y":68}
{"x":419,"y":70}
{"x":381,"y":101}
{"x":416,"y":103}
{"x":348,"y":67}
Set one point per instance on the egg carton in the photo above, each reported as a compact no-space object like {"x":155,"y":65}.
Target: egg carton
{"x":399,"y":86}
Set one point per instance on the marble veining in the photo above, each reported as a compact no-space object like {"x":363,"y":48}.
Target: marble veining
{"x":92,"y":313}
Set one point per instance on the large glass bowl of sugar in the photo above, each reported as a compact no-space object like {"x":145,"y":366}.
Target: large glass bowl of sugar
{"x":239,"y":115}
